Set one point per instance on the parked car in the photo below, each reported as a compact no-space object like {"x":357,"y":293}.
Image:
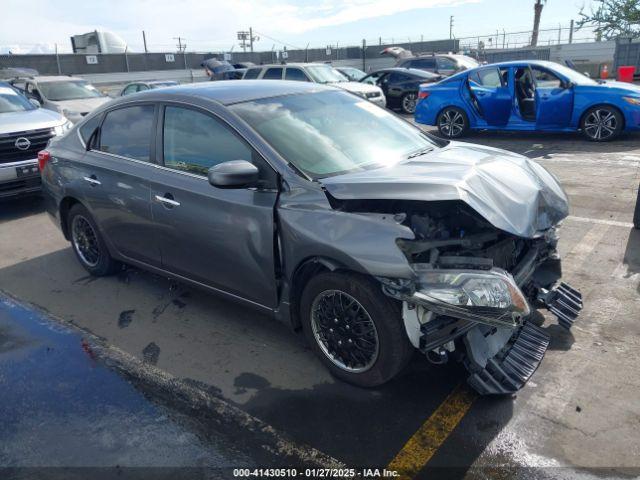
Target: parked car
{"x":317,"y":73}
{"x":353,"y":74}
{"x":444,"y":64}
{"x":328,"y":212}
{"x":142,"y":86}
{"x":71,"y":96}
{"x":400,"y":86}
{"x":25,"y":129}
{"x":529,"y":96}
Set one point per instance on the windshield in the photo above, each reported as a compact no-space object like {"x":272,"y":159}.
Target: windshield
{"x":325,"y":74}
{"x":466,"y":62}
{"x":331,"y":133}
{"x":573,"y":76}
{"x":12,"y":101}
{"x":353,"y":73}
{"x":68,"y":90}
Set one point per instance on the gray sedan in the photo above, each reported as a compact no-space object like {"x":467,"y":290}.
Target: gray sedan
{"x":328,"y":212}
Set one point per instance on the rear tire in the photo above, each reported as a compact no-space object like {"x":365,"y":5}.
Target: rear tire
{"x":356,"y":331}
{"x":87,"y":243}
{"x":601,"y":123}
{"x":452,"y":122}
{"x":408,"y":103}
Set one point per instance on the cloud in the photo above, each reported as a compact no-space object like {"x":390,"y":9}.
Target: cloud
{"x":205,"y":24}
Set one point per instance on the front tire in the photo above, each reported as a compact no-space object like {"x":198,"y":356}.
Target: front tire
{"x":356,"y":331}
{"x":601,"y":123}
{"x":452,"y":122}
{"x":87,"y":243}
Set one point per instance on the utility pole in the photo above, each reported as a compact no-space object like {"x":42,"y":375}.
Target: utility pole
{"x":247,"y":39}
{"x":181,"y":47}
{"x":451,"y":27}
{"x":571,"y":32}
{"x":144,"y":40}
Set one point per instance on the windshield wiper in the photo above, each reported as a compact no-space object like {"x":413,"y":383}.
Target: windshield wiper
{"x":420,"y":152}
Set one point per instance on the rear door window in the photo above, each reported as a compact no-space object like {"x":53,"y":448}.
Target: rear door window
{"x":273,"y":74}
{"x":426,"y":63}
{"x":487,"y":77}
{"x":295,"y":74}
{"x":252,"y":73}
{"x":127,"y":132}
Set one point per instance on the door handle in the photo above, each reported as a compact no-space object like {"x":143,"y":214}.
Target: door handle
{"x":480,"y":94}
{"x":170,"y":202}
{"x":92,"y":180}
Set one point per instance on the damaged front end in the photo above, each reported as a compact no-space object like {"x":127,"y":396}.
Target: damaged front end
{"x":474,"y":290}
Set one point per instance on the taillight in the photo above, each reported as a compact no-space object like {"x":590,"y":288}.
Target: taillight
{"x":422,"y":94}
{"x":43,"y":157}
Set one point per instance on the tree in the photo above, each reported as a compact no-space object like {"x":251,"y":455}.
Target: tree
{"x":537,"y":13}
{"x":613,"y":18}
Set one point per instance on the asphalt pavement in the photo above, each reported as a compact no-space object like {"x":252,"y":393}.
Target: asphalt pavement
{"x":577,"y":418}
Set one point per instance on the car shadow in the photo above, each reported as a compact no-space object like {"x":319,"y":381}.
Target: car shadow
{"x":631,"y":257}
{"x":252,"y":361}
{"x":12,"y":209}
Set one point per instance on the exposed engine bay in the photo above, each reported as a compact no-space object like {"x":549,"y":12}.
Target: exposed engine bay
{"x":474,"y":291}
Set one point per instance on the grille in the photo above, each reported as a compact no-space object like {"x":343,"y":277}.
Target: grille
{"x":10,"y":153}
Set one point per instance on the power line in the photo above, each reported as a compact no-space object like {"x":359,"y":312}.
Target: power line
{"x":279,"y":41}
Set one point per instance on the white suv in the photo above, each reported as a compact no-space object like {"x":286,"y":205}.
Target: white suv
{"x":317,"y":73}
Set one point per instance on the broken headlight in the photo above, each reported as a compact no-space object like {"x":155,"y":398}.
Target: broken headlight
{"x":491,"y":293}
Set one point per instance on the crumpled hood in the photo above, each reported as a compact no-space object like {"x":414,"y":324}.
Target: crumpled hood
{"x":36,"y":119}
{"x":511,"y":192}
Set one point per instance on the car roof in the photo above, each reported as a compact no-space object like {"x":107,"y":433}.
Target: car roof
{"x":414,"y":71}
{"x":515,"y":63}
{"x":229,"y":92}
{"x":292,"y":64}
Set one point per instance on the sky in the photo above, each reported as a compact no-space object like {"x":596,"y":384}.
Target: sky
{"x":212,"y":25}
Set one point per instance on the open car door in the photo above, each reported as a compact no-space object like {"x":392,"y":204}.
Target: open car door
{"x":490,"y":94}
{"x":554,"y":99}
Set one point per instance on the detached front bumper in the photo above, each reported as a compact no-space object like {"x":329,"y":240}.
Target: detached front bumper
{"x":500,"y":350}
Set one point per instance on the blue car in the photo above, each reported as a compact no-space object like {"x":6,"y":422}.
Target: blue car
{"x":529,"y":96}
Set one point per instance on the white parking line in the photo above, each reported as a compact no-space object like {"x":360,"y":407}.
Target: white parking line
{"x":612,"y":223}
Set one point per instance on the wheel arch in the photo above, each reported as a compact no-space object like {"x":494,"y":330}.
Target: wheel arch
{"x":64,"y":207}
{"x":305,"y":271}
{"x":602,"y":104}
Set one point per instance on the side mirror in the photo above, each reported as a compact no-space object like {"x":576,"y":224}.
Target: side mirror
{"x":569,"y":85}
{"x":233,"y":174}
{"x":35,"y":102}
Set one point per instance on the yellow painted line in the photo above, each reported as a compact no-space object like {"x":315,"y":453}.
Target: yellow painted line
{"x":431,"y":435}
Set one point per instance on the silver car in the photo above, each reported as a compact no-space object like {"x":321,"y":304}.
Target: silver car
{"x":317,"y":73}
{"x":25,"y":129}
{"x":71,"y":96}
{"x":329,"y":213}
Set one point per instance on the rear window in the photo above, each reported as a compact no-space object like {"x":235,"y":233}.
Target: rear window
{"x":252,"y":73}
{"x":273,"y":74}
{"x":127,"y":132}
